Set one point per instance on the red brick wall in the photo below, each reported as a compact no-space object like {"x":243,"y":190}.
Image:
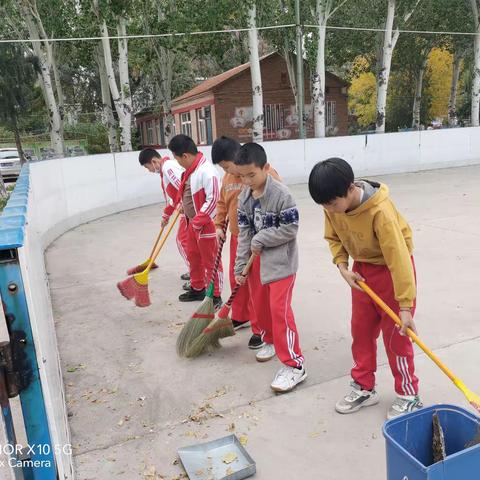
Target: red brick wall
{"x":232,"y":120}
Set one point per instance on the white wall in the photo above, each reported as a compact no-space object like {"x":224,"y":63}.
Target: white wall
{"x":67,"y":192}
{"x":71,"y":191}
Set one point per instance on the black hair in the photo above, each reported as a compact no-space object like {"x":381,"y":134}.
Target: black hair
{"x":181,"y":144}
{"x":224,"y":149}
{"x":330,"y":179}
{"x":251,"y":153}
{"x":146,"y":155}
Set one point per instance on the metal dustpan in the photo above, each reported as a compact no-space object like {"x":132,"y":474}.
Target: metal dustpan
{"x":221,"y":459}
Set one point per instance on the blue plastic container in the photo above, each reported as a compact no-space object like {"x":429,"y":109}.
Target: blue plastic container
{"x":409,"y":445}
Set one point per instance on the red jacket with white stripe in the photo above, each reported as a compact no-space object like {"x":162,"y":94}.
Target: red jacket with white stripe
{"x":171,"y":176}
{"x":205,"y":186}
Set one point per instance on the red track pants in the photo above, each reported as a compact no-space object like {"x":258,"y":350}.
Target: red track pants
{"x":242,"y":308}
{"x":182,"y":238}
{"x":202,"y":249}
{"x":367,"y":322}
{"x":272,"y":305}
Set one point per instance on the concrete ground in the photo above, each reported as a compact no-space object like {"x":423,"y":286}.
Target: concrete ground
{"x":132,"y":402}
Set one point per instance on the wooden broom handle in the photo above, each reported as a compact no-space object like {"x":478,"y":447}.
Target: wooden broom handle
{"x":244,"y":274}
{"x":410,"y":333}
{"x":156,"y":242}
{"x":161,"y":243}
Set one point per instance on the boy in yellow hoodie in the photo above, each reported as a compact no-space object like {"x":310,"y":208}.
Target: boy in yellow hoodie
{"x":362,"y":222}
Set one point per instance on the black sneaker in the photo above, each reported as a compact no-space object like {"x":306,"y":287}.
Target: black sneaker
{"x":238,"y":325}
{"x":185,"y":276}
{"x":192,"y":295}
{"x":217,"y":303}
{"x":255,"y":342}
{"x":187,"y":286}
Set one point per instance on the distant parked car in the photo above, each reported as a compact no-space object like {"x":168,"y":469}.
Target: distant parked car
{"x":9,"y":163}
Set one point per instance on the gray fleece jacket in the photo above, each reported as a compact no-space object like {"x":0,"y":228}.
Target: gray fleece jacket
{"x":270,"y":223}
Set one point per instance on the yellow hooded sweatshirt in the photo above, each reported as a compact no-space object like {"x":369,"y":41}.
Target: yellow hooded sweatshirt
{"x":376,"y":233}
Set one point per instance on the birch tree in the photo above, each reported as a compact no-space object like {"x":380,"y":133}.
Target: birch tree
{"x":120,"y":91}
{"x":475,"y":109}
{"x":324,"y":10}
{"x":257,"y":93}
{"x":458,"y":56}
{"x":390,"y":39}
{"x":47,"y":70}
{"x":106,"y":108}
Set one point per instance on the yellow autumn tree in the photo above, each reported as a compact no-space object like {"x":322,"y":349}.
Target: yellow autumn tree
{"x":362,"y":98}
{"x":440,"y":80}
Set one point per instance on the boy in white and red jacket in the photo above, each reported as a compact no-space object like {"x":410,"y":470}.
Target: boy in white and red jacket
{"x":170,"y":176}
{"x":199,"y":192}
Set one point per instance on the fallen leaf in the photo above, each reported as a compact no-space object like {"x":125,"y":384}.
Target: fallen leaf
{"x":150,"y":472}
{"x":231,"y":427}
{"x":243,"y":439}
{"x":229,"y":457}
{"x":314,"y":434}
{"x":229,"y":471}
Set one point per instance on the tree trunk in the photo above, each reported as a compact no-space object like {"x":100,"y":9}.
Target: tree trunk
{"x":124,"y":117}
{"x":452,"y":102}
{"x":18,"y":141}
{"x":125,"y":92}
{"x":417,"y":101}
{"x":107,"y":111}
{"x":257,"y":94}
{"x":318,"y":79}
{"x":476,"y":68}
{"x":290,"y":61}
{"x":56,"y":124}
{"x":389,"y":40}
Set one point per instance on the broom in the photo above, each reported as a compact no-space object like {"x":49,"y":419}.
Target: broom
{"x":472,"y":398}
{"x":205,"y":312}
{"x":136,"y":287}
{"x":221,"y":326}
{"x":141,"y":267}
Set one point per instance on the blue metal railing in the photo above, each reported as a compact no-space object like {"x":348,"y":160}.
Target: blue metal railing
{"x":38,"y":462}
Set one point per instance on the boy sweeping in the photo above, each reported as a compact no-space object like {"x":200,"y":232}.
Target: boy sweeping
{"x":198,"y":192}
{"x":170,"y":176}
{"x":362,"y":222}
{"x":224,"y":151}
{"x":268,"y":225}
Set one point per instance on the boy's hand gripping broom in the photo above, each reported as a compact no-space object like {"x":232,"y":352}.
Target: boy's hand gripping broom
{"x":136,"y":287}
{"x":472,"y":398}
{"x":205,"y":312}
{"x":221,"y":326}
{"x":141,"y":267}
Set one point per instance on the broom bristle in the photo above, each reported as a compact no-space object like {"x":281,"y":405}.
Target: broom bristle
{"x":142,"y":297}
{"x":209,"y":338}
{"x":195,"y":325}
{"x":127,"y":287}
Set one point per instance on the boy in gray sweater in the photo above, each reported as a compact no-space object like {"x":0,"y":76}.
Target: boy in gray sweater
{"x":268,"y":223}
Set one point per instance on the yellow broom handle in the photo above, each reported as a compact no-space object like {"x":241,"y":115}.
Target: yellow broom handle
{"x":156,"y":242}
{"x":410,"y":333}
{"x":162,"y":241}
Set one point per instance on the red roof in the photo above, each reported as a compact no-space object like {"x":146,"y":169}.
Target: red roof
{"x":212,"y":82}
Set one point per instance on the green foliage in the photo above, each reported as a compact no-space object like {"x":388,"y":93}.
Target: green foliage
{"x":95,"y":133}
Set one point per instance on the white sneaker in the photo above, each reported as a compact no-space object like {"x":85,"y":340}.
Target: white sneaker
{"x":404,"y":404}
{"x":266,"y":353}
{"x":356,"y":399}
{"x":287,"y":378}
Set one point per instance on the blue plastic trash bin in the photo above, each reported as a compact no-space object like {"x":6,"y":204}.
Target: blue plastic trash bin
{"x":409,"y":450}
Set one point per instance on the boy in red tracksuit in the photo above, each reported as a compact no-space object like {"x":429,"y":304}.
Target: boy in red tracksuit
{"x":268,"y":222}
{"x":198,"y":192}
{"x":224,"y":151}
{"x":170,"y":176}
{"x":362,"y":222}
